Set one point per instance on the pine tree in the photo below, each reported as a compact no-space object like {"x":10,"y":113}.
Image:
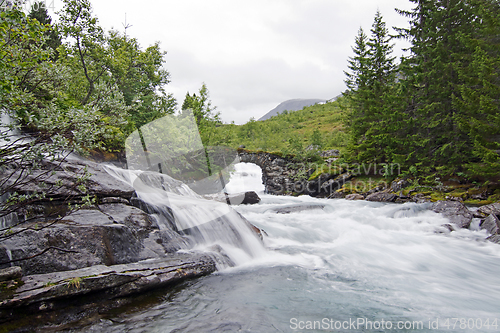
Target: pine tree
{"x":371,"y":89}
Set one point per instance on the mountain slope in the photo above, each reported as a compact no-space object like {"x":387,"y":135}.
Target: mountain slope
{"x":291,"y":105}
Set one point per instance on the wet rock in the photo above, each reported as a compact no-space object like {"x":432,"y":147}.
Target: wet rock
{"x":455,"y":211}
{"x":11,"y":273}
{"x":491,"y":224}
{"x":487,"y":210}
{"x":494,"y":238}
{"x":245,"y":198}
{"x":251,"y":198}
{"x":381,"y":197}
{"x":448,"y":227}
{"x":354,"y":196}
{"x":115,"y":234}
{"x":52,"y":290}
{"x":398,"y":185}
{"x":337,"y":195}
{"x":64,"y":177}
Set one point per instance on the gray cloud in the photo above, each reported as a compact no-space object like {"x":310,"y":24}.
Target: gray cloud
{"x":251,"y":54}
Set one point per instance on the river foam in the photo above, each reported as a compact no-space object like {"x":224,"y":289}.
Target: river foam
{"x":348,"y":261}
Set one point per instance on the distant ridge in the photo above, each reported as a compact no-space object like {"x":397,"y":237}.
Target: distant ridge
{"x":291,"y":105}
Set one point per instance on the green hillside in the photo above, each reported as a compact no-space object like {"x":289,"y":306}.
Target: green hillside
{"x":287,"y":133}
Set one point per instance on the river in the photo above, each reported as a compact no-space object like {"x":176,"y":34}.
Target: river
{"x":334,"y":266}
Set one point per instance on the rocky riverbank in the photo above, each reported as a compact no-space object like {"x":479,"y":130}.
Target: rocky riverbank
{"x":53,"y":256}
{"x":283,"y":176}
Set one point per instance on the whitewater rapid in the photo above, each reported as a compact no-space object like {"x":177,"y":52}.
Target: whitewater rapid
{"x":334,"y":262}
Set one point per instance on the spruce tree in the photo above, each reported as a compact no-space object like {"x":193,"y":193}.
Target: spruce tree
{"x":357,"y":84}
{"x":437,"y":30}
{"x":480,"y":89}
{"x":371,"y":89}
{"x":381,"y":104}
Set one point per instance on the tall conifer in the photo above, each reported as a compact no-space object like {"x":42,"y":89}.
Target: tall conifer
{"x":371,"y":84}
{"x":480,"y":88}
{"x":437,"y":30}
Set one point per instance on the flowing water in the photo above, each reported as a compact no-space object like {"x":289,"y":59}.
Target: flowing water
{"x":336,"y":266}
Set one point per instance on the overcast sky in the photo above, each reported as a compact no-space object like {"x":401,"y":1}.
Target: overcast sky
{"x":252,"y":54}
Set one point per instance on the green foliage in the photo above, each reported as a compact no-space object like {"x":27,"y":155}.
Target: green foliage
{"x":320,"y":124}
{"x":52,"y":37}
{"x":140,"y":77}
{"x":21,"y":56}
{"x":201,"y":106}
{"x":439,"y":109}
{"x":316,"y":139}
{"x":93,"y":90}
{"x":371,"y":94}
{"x":205,"y":115}
{"x":84,"y":50}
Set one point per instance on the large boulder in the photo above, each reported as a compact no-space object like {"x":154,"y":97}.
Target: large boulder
{"x":58,"y":180}
{"x":455,"y":211}
{"x":487,"y":210}
{"x":491,"y":224}
{"x":114,"y":234}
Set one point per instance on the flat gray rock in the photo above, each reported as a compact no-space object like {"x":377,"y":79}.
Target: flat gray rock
{"x":114,"y":234}
{"x":109,"y":281}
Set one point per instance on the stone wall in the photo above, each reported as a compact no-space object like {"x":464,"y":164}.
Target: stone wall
{"x":282,"y":176}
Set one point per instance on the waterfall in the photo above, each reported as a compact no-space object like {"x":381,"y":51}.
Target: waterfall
{"x":210,"y":224}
